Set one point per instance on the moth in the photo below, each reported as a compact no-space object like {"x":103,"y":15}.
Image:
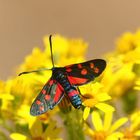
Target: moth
{"x":65,"y":81}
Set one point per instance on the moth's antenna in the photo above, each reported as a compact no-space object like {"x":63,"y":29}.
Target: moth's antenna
{"x":26,"y":72}
{"x":50,"y":39}
{"x":42,"y":69}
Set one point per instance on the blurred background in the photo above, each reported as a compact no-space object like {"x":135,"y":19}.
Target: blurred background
{"x":23,"y":24}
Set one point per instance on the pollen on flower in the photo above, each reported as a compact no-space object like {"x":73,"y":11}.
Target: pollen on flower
{"x":100,"y":135}
{"x":128,"y":134}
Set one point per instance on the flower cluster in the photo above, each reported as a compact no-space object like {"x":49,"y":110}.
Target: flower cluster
{"x":110,"y":109}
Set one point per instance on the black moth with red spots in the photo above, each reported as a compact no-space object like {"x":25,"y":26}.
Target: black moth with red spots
{"x":64,"y":81}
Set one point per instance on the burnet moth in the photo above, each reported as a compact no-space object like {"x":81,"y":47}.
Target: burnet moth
{"x":64,"y":81}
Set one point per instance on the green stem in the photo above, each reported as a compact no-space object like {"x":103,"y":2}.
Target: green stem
{"x":74,"y":125}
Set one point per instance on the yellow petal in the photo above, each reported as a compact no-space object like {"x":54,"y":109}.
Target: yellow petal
{"x":138,"y":82}
{"x":17,"y":136}
{"x":118,"y":123}
{"x":23,"y":114}
{"x":7,"y":97}
{"x":52,"y":131}
{"x":103,"y":97}
{"x":137,"y":133}
{"x":96,"y":87}
{"x":89,"y":102}
{"x":105,"y":107}
{"x":111,"y":138}
{"x":135,"y":123}
{"x":115,"y":136}
{"x":97,"y":121}
{"x":36,"y":130}
{"x":86,"y":113}
{"x":137,"y":87}
{"x":88,"y":131}
{"x":108,"y":120}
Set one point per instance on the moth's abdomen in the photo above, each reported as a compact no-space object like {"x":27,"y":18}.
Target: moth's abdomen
{"x":70,"y":90}
{"x":74,"y":98}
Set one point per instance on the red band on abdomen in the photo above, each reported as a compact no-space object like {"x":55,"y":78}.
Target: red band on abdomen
{"x":72,"y":93}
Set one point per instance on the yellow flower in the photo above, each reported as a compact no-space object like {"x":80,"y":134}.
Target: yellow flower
{"x":63,"y":50}
{"x":125,"y":42}
{"x":37,"y":59}
{"x":35,"y":123}
{"x":103,"y":130}
{"x":121,"y":73}
{"x":28,"y":86}
{"x":118,"y":77}
{"x":60,"y":46}
{"x":128,"y":42}
{"x":5,"y":96}
{"x":129,"y":45}
{"x":137,"y":38}
{"x":133,"y":131}
{"x":95,"y":97}
{"x":132,"y":56}
{"x":6,"y":99}
{"x":37,"y":132}
{"x":1,"y":85}
{"x":137,"y":85}
{"x":23,"y":115}
{"x":77,"y":48}
{"x":17,"y":136}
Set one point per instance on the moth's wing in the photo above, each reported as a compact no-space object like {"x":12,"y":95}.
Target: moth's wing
{"x":82,"y":73}
{"x":51,"y":94}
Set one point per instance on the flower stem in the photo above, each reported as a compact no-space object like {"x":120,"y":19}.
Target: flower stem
{"x":74,"y":125}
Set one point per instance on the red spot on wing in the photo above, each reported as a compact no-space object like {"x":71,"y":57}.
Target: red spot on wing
{"x":43,"y":91}
{"x":91,"y":65}
{"x":38,"y":102}
{"x":96,"y":70}
{"x":76,"y":80}
{"x":83,"y":71}
{"x":47,"y":97}
{"x":41,"y":108}
{"x":79,"y":66}
{"x":58,"y":93}
{"x":68,"y":69}
{"x":51,"y":82}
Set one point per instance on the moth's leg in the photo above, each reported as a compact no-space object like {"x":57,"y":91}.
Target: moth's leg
{"x":81,"y":94}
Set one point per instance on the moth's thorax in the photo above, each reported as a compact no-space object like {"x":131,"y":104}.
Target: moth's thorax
{"x":70,"y":90}
{"x":61,"y":77}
